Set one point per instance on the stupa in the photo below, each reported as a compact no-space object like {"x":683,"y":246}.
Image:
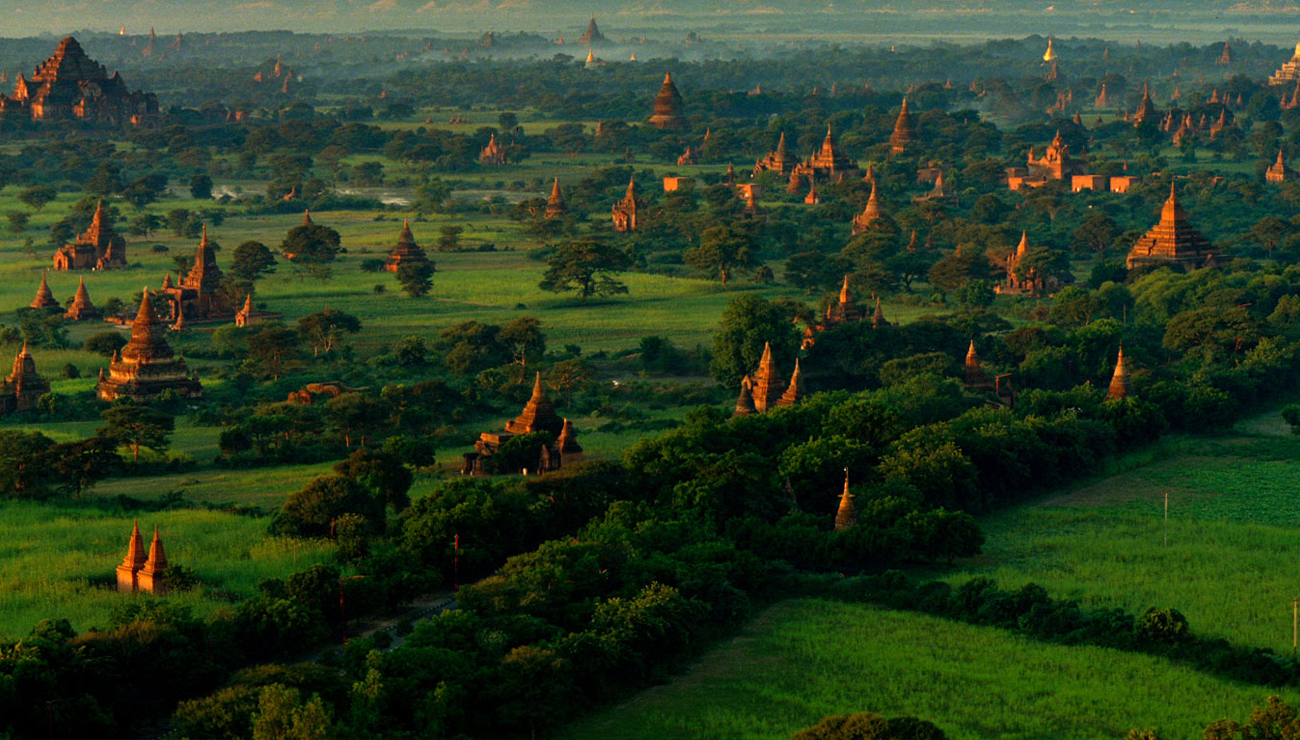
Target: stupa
{"x":668,"y":106}
{"x":99,"y":248}
{"x":147,"y":366}
{"x":407,"y":252}
{"x":1172,"y":241}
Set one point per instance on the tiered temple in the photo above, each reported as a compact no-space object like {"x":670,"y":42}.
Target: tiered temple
{"x":828,"y":164}
{"x":82,"y":309}
{"x":44,"y":296}
{"x":624,"y":212}
{"x":869,"y":215}
{"x":492,"y":154}
{"x":1119,"y":382}
{"x":1289,"y":74}
{"x":147,"y":366}
{"x":71,"y":86}
{"x":760,"y":393}
{"x":778,"y":160}
{"x":197,"y":297}
{"x":1279,"y":172}
{"x":139,"y":573}
{"x":24,"y":387}
{"x":555,"y":205}
{"x":1173,"y":241}
{"x":844,"y":310}
{"x":99,"y":248}
{"x":904,"y":131}
{"x":592,"y":35}
{"x":668,"y":106}
{"x":407,"y":252}
{"x":538,"y":416}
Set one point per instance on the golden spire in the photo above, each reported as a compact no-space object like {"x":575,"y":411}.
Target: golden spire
{"x":1119,"y":382}
{"x":1050,"y":54}
{"x":847,"y":516}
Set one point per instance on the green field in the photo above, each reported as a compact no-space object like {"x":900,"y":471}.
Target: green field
{"x":1231,"y":563}
{"x":58,"y":561}
{"x":802,"y":660}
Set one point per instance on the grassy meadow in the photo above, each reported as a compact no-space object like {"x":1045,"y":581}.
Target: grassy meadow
{"x":58,"y":561}
{"x":1231,"y":562}
{"x":804,"y":659}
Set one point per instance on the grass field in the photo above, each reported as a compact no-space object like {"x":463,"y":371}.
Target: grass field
{"x":802,"y":660}
{"x":58,"y":561}
{"x":1231,"y":563}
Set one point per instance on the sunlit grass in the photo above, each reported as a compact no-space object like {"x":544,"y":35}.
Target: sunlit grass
{"x":802,"y":660}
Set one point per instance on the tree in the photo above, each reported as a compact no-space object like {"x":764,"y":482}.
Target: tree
{"x":869,"y":726}
{"x":1268,"y":232}
{"x":357,"y":415}
{"x":432,"y":194}
{"x":37,"y":196}
{"x":18,"y":221}
{"x":416,"y":278}
{"x":250,"y":261}
{"x":104,"y":343}
{"x":722,"y":251}
{"x":201,"y":187}
{"x":524,"y":339}
{"x":21,"y":475}
{"x":747,"y":324}
{"x":449,"y":238}
{"x":586,"y":268}
{"x":135,"y":426}
{"x":311,"y":247}
{"x":1097,"y":232}
{"x":272,"y":346}
{"x":311,"y":511}
{"x":324,"y":328}
{"x":142,"y":191}
{"x":281,"y":714}
{"x":812,"y":270}
{"x":79,"y":465}
{"x":382,"y":473}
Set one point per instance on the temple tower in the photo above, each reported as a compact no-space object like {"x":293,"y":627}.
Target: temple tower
{"x":668,"y":106}
{"x":44,"y":296}
{"x":132,"y":563}
{"x":847,"y":515}
{"x":1119,"y":382}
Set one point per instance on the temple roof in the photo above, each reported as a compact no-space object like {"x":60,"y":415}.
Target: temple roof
{"x":135,"y":552}
{"x":538,"y":414}
{"x":157,"y":557}
{"x":1172,"y":239}
{"x":847,"y":516}
{"x":147,"y":343}
{"x":44,"y":296}
{"x":204,"y":276}
{"x":1119,"y":382}
{"x":745,"y":403}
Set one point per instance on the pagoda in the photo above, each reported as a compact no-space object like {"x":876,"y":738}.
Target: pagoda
{"x":538,"y":416}
{"x":1146,"y":110}
{"x":828,"y":163}
{"x":82,"y":309}
{"x":847,"y":516}
{"x":878,"y":317}
{"x":99,"y":248}
{"x":1119,"y":382}
{"x":1225,"y":56}
{"x":24,"y":387}
{"x":745,"y":403}
{"x":1173,"y":241}
{"x":147,"y":366}
{"x":1050,"y":54}
{"x":407,"y":252}
{"x":869,"y":215}
{"x":592,"y":35}
{"x":196,"y":298}
{"x":555,"y":206}
{"x":1279,"y":171}
{"x":794,"y":393}
{"x":1290,"y":71}
{"x":492,"y":154}
{"x":44,"y":296}
{"x":763,"y":391}
{"x":844,"y":310}
{"x":624,"y":212}
{"x":567,"y":445}
{"x":141,"y":574}
{"x":975,"y":378}
{"x":246,"y":315}
{"x":778,"y":160}
{"x":904,"y":131}
{"x":1056,"y":162}
{"x":72,"y":86}
{"x":668,"y":107}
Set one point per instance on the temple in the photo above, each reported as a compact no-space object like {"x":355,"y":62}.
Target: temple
{"x":592,"y":35}
{"x":1146,"y":110}
{"x":668,"y":107}
{"x":407,"y":252}
{"x":625,"y":211}
{"x":1032,"y":282}
{"x":24,"y":387}
{"x":1289,"y":72}
{"x":1173,"y":241}
{"x":141,"y":574}
{"x":82,"y":309}
{"x":538,"y":416}
{"x":492,"y":154}
{"x":99,"y":248}
{"x":869,"y":215}
{"x":1279,"y":172}
{"x":1050,"y":54}
{"x":844,"y":310}
{"x":44,"y":296}
{"x":846,"y":517}
{"x":555,"y":205}
{"x":147,"y":366}
{"x":1056,"y":162}
{"x":829,"y":164}
{"x":904,"y":131}
{"x":197,"y":298}
{"x":759,"y":393}
{"x":778,"y":160}
{"x":1119,"y":382}
{"x":71,"y":86}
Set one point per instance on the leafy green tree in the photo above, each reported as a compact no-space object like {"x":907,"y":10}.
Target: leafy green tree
{"x":587,"y":268}
{"x":77,"y":466}
{"x":813,"y":270}
{"x":431,"y":195}
{"x":524,"y":339}
{"x":281,"y":715}
{"x":747,"y":324}
{"x":311,"y":247}
{"x":449,"y":238}
{"x":1097,"y":232}
{"x":382,"y":473}
{"x":104,"y":343}
{"x":311,"y":511}
{"x":20,"y":475}
{"x":416,"y":279}
{"x":18,"y":221}
{"x":357,"y":415}
{"x":201,"y":187}
{"x":250,"y":261}
{"x":273,"y":346}
{"x":133,"y":425}
{"x":326,"y":327}
{"x":37,"y":196}
{"x":723,"y":250}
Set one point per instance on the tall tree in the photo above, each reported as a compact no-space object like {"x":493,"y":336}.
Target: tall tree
{"x":250,"y":261}
{"x":587,"y":268}
{"x":324,"y":328}
{"x":311,"y":247}
{"x":135,"y":426}
{"x":723,"y":250}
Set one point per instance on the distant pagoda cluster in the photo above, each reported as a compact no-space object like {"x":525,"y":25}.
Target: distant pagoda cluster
{"x":142,"y":573}
{"x":538,"y":416}
{"x":760,"y":394}
{"x":72,"y":86}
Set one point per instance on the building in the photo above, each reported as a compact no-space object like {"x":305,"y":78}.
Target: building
{"x":828,"y":164}
{"x":1172,"y":241}
{"x":141,"y":574}
{"x":592,"y":36}
{"x":1289,"y":73}
{"x":82,"y":309}
{"x":668,"y":107}
{"x":99,"y":248}
{"x":869,"y":215}
{"x":625,"y":211}
{"x":904,"y":131}
{"x":1146,"y":110}
{"x":538,"y":416}
{"x":759,"y":394}
{"x":555,"y":205}
{"x":1056,"y":162}
{"x":846,"y":517}
{"x":197,"y":297}
{"x":147,"y":366}
{"x":777,"y":160}
{"x":44,"y":296}
{"x":71,"y":86}
{"x":1119,"y":382}
{"x":492,"y":154}
{"x":1279,"y":172}
{"x":24,"y":387}
{"x":407,"y":252}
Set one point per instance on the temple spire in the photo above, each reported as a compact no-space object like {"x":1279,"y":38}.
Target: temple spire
{"x":1119,"y":382}
{"x":847,"y":516}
